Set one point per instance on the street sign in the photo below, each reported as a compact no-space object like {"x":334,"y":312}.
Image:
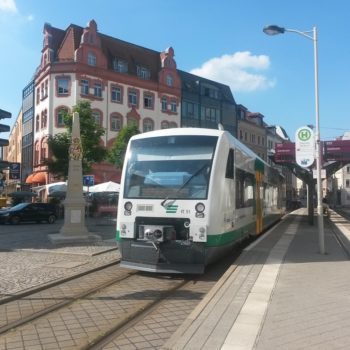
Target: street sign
{"x":285,"y":152}
{"x":4,"y":128}
{"x":88,"y":180}
{"x":4,"y":114}
{"x":304,"y":146}
{"x":4,"y":142}
{"x":15,"y":171}
{"x":337,"y":150}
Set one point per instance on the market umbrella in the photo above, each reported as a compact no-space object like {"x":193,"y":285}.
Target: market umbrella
{"x":22,"y":194}
{"x":58,"y":194}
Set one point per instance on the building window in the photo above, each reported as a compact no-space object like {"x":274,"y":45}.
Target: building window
{"x":44,"y":119}
{"x":143,"y":73}
{"x":120,"y":66}
{"x":164,"y":125}
{"x":116,"y":122}
{"x":60,"y":117}
{"x":348,"y":169}
{"x":132,"y":98}
{"x":169,"y":80}
{"x":241,"y":134}
{"x":98,"y":90}
{"x":148,"y":101}
{"x":116,"y":94}
{"x":164,"y":104}
{"x":37,"y":123}
{"x":84,"y":87}
{"x":37,"y":95}
{"x":148,"y":125}
{"x":173,"y":106}
{"x":91,"y":59}
{"x":63,"y":86}
{"x":347,"y":183}
{"x":132,"y":121}
{"x":46,"y":88}
{"x":96,"y":117}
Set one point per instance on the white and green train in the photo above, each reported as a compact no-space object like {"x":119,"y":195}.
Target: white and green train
{"x":188,"y":195}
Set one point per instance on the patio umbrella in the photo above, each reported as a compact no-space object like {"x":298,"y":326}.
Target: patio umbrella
{"x":22,"y":194}
{"x":58,"y":194}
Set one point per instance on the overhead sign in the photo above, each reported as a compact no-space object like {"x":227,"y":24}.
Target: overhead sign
{"x":304,"y":146}
{"x":4,"y":114}
{"x":337,"y":150}
{"x":15,"y":171}
{"x":285,"y":152}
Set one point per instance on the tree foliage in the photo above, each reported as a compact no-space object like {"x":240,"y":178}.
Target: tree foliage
{"x":117,"y":153}
{"x":90,"y":133}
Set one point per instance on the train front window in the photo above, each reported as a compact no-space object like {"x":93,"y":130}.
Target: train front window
{"x":173,"y":167}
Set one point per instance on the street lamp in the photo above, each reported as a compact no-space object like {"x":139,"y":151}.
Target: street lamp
{"x":274,"y":30}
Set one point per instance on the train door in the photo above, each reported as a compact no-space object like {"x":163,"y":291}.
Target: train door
{"x":259,"y":201}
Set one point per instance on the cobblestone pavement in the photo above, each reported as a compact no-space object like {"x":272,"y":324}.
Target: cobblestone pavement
{"x":28,"y":258}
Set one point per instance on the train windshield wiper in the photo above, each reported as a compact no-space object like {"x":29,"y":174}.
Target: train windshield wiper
{"x":197,"y":172}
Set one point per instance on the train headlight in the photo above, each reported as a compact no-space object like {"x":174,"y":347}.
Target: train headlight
{"x":200,"y":207}
{"x":128,"y":206}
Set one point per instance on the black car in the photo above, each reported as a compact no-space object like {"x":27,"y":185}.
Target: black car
{"x":26,"y":212}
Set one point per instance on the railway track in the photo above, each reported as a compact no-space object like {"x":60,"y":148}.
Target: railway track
{"x":102,"y":308}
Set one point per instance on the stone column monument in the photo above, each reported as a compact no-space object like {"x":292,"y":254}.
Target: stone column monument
{"x":74,"y":229}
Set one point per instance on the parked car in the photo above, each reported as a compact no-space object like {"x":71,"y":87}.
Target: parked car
{"x":27,"y":212}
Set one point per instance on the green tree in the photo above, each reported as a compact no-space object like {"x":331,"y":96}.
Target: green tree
{"x":117,"y":154}
{"x":90,"y":133}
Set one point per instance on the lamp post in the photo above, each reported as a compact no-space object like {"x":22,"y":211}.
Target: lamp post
{"x":274,"y":30}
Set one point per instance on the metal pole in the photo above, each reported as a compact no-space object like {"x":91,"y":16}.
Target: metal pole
{"x":318,"y":154}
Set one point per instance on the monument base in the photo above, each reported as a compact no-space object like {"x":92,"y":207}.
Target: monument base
{"x":61,"y":238}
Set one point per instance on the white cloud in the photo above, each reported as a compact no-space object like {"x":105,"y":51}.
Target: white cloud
{"x":30,"y":18}
{"x":8,"y":6}
{"x":239,"y":71}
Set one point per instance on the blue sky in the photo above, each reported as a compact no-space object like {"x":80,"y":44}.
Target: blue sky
{"x":221,"y":40}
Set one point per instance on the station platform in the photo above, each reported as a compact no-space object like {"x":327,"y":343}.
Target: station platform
{"x":280,"y":294}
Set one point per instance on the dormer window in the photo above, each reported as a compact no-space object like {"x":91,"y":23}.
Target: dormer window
{"x":143,"y":73}
{"x":169,"y":80}
{"x":120,"y":66}
{"x":91,"y":59}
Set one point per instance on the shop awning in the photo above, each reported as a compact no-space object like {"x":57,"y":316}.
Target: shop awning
{"x":39,"y":177}
{"x":29,"y":179}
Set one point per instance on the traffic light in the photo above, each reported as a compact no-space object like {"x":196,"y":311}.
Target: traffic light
{"x":3,"y":127}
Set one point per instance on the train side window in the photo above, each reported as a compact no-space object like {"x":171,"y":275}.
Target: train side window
{"x":239,"y":188}
{"x":230,"y":165}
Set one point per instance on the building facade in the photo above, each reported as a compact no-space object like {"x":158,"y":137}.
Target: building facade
{"x":251,"y":130}
{"x":206,"y":103}
{"x":124,"y":83}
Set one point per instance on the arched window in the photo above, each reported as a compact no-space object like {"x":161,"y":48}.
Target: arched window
{"x":60,"y":113}
{"x":116,"y":122}
{"x":148,"y":125}
{"x":96,"y":115}
{"x":132,"y":121}
{"x":164,"y":125}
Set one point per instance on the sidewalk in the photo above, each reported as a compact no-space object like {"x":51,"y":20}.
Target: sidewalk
{"x":28,"y":259}
{"x":283,"y":294}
